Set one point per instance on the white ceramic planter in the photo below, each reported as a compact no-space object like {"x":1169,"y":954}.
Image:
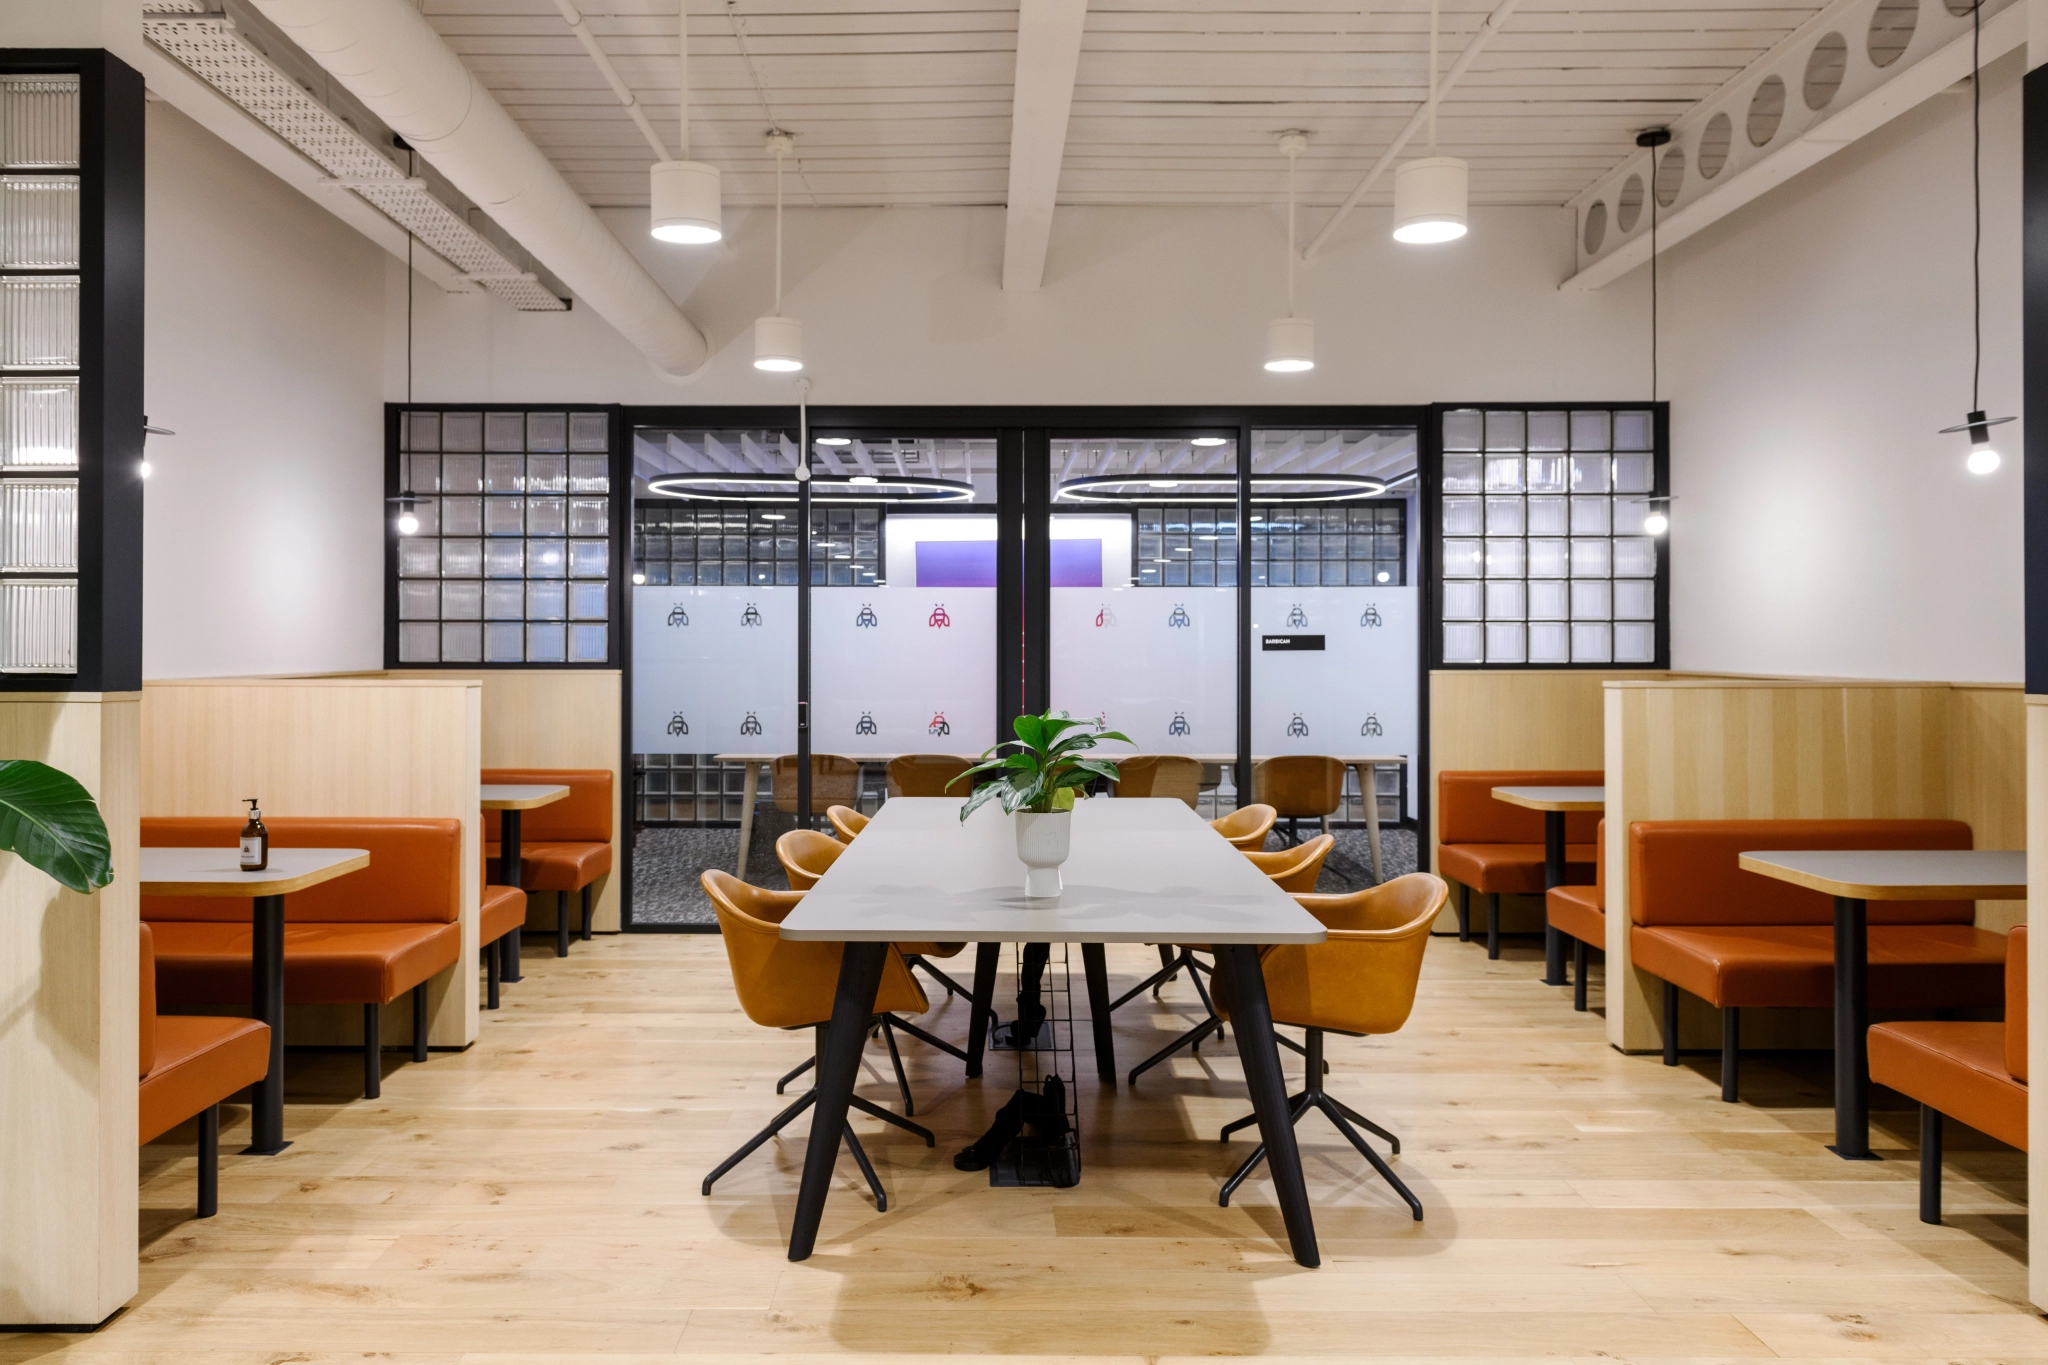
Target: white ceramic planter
{"x":1042,"y":843}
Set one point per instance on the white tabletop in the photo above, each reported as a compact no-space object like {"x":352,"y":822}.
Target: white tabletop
{"x":218,"y":871}
{"x":1143,"y":870}
{"x":1554,"y":798}
{"x":1905,"y":874}
{"x":519,"y":795}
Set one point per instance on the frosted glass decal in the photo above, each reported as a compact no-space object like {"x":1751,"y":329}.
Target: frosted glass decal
{"x":1356,"y":695}
{"x":714,"y":670}
{"x":1144,"y":661}
{"x":903,"y":669}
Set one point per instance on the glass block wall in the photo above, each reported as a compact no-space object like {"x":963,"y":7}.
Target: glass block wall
{"x":512,"y":563}
{"x":1196,"y":546}
{"x":39,"y":373}
{"x":711,"y":544}
{"x":1544,"y":556}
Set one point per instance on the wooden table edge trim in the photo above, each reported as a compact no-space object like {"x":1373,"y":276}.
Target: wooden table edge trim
{"x":272,"y":887}
{"x":1501,"y":794}
{"x":1939,"y":891}
{"x":524,"y":802}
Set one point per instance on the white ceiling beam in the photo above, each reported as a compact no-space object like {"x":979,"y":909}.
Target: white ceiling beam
{"x":1042,"y":95}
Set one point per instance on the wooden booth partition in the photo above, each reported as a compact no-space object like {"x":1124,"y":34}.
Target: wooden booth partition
{"x":331,"y":747}
{"x":2036,"y":708}
{"x":68,"y":1033}
{"x":1756,"y":749}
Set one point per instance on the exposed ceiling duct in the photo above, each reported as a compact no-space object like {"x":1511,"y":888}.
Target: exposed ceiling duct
{"x":391,"y":59}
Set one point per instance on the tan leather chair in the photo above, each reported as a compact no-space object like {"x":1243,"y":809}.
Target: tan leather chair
{"x":1295,"y":785}
{"x":834,"y":780}
{"x":846,"y":822}
{"x":788,"y":985}
{"x":1161,"y":775}
{"x":927,"y":774}
{"x":1359,"y":982}
{"x":807,"y":855}
{"x":1293,"y":870}
{"x":1247,"y":826}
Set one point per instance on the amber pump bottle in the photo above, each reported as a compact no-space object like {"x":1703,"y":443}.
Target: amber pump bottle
{"x":255,"y":841}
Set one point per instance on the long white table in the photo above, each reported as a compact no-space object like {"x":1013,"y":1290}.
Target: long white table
{"x":1140,"y":871}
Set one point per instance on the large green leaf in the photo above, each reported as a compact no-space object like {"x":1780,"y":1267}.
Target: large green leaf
{"x":52,"y":823}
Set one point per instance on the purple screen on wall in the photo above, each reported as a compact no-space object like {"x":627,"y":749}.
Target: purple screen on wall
{"x":972,"y":563}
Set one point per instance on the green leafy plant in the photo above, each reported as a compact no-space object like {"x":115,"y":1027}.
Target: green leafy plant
{"x":54,"y":825}
{"x":1046,"y":769}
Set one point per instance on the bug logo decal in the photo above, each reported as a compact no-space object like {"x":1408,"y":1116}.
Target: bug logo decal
{"x":866,"y":724}
{"x":677,"y":616}
{"x":677,"y":725}
{"x":1297,"y":728}
{"x":938,"y":620}
{"x":1180,"y":725}
{"x":751,"y":616}
{"x":751,"y":725}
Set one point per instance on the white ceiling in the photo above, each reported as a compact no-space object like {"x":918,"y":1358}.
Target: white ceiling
{"x":1177,"y":101}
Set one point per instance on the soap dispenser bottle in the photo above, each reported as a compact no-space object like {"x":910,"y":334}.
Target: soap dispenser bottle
{"x":255,"y":841}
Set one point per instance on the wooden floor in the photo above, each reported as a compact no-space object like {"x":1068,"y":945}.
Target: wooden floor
{"x":535,"y":1199}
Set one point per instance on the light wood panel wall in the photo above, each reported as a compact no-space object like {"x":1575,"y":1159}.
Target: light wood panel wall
{"x":1988,"y":778}
{"x":556,"y":718}
{"x":2037,"y":990}
{"x":68,"y":1033}
{"x":331,"y":747}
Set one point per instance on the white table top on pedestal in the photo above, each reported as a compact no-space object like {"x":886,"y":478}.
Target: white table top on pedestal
{"x":218,"y":871}
{"x":1140,"y":871}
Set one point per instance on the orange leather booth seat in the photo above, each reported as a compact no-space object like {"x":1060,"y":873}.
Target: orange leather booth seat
{"x":566,"y":844}
{"x":1735,"y":938}
{"x":503,"y":909}
{"x":1495,"y":848}
{"x":187,"y":1064}
{"x":1581,"y":911}
{"x":1974,"y":1072}
{"x":364,"y":938}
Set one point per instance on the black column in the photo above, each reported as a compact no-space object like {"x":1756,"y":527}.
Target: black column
{"x":1037,"y":529}
{"x":1242,"y":773}
{"x":1009,"y":580}
{"x":2034,"y":281}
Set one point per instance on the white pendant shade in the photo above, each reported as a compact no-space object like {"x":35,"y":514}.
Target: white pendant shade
{"x":778,"y":344}
{"x":1429,"y":200}
{"x":685,"y":196}
{"x":1290,"y":345}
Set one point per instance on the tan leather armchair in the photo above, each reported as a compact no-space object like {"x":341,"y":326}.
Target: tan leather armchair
{"x":1247,"y":826}
{"x":1295,"y":869}
{"x":1161,"y":775}
{"x":846,"y":822}
{"x":927,"y":774}
{"x":1297,"y":785}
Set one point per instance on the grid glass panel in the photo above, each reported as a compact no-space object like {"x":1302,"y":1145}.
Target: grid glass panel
{"x":505,"y":560}
{"x":1545,"y":556}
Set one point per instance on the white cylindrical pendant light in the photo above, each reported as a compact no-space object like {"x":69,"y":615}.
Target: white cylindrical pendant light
{"x":778,"y":343}
{"x":1290,"y":345}
{"x":687,"y":202}
{"x":1429,"y":200}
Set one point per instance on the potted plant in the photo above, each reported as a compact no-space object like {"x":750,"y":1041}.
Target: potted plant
{"x":1037,"y":785}
{"x":52,"y":823}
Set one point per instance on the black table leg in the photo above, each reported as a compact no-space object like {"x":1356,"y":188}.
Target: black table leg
{"x":266,"y":1002}
{"x":853,"y":1006}
{"x":1261,"y":1057}
{"x":1852,"y":1031}
{"x":1553,"y":875}
{"x":981,"y":1007}
{"x":508,"y":873}
{"x":1096,"y":965}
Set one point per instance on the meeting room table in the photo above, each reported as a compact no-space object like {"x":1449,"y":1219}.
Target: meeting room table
{"x":511,"y":800}
{"x":1855,"y":877}
{"x":1139,"y":871}
{"x":1555,"y":803}
{"x":218,"y":872}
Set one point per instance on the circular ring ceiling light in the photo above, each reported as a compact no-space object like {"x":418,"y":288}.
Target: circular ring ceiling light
{"x":1126,"y":488}
{"x":890,"y":488}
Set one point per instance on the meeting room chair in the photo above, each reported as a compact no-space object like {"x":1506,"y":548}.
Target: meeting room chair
{"x":834,"y":779}
{"x":1247,"y":826}
{"x":785,"y":984}
{"x":927,"y":775}
{"x":846,"y":822}
{"x":1360,"y":982}
{"x":806,"y":855}
{"x":1291,"y":869}
{"x":1161,"y":775}
{"x":1298,"y":785}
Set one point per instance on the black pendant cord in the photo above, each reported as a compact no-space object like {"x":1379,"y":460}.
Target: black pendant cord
{"x":1653,"y":276}
{"x":1977,"y":203}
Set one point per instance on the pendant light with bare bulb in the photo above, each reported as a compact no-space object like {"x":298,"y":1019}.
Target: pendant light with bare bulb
{"x":1983,"y":458}
{"x":685,"y":194}
{"x":1291,"y":341}
{"x":1430,"y":191}
{"x":778,"y":341}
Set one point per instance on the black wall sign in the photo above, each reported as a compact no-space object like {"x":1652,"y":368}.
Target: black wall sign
{"x":1291,"y":642}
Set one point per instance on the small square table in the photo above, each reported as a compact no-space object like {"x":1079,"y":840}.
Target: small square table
{"x":218,"y":872}
{"x":1144,"y":870}
{"x":1555,"y":803}
{"x":510,"y":799}
{"x":1855,"y":877}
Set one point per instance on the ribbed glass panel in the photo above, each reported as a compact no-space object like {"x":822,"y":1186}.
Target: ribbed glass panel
{"x":39,"y":222}
{"x":38,"y":626}
{"x":39,"y":323}
{"x":39,"y":526}
{"x":39,"y":423}
{"x":39,"y":120}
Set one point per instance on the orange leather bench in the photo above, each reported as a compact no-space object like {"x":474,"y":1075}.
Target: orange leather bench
{"x":1493,"y":848}
{"x":1580,"y":913}
{"x":564,"y":846}
{"x":501,"y":910}
{"x":1736,"y":939}
{"x":1976,"y":1073}
{"x":187,"y":1065}
{"x":364,"y":939}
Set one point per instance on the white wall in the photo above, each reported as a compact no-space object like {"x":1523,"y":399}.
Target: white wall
{"x":263,"y":551}
{"x":1816,"y":341}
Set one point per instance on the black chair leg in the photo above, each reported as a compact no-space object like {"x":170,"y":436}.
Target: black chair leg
{"x":1464,"y":913}
{"x":494,"y":964}
{"x":373,"y":1047}
{"x":209,"y":1162}
{"x":1579,"y":975}
{"x":419,"y":1022}
{"x":1670,"y":1024}
{"x":1731,"y":1053}
{"x":561,"y":924}
{"x":1930,"y":1164}
{"x":1193,"y":1036}
{"x":1493,"y":925}
{"x":799,"y":1069}
{"x":589,"y":907}
{"x":896,"y":1060}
